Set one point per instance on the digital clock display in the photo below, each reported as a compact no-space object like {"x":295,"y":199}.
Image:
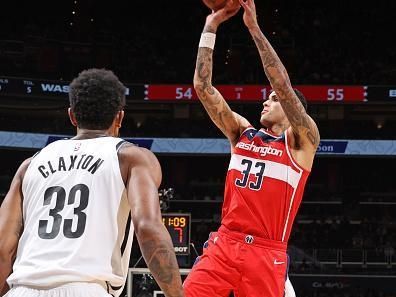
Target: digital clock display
{"x":178,"y":226}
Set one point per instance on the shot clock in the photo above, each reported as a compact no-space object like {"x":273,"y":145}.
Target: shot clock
{"x":179,"y":226}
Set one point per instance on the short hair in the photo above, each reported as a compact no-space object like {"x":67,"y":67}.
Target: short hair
{"x":302,"y":98}
{"x":96,"y":95}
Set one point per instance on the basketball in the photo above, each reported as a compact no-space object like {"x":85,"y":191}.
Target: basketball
{"x":218,"y":4}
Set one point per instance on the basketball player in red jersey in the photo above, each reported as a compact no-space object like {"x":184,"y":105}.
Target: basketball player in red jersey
{"x":266,"y":175}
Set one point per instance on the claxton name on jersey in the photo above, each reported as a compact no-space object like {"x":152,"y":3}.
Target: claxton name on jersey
{"x":72,"y":162}
{"x":263,"y":150}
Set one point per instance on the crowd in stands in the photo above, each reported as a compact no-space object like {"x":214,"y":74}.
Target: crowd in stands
{"x":196,"y":124}
{"x":335,"y":42}
{"x":320,"y":43}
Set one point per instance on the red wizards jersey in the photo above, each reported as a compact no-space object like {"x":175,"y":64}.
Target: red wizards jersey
{"x":264,"y":186}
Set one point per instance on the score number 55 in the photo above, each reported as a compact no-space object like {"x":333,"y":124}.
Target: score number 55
{"x":335,"y":94}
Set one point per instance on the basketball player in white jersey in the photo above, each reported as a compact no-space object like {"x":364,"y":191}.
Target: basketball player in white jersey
{"x":71,"y":209}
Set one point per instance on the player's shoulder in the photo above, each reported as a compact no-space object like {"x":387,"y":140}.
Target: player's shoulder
{"x":131,"y":156}
{"x":23,"y":167}
{"x":248,"y":133}
{"x":132,"y":153}
{"x":25,"y":164}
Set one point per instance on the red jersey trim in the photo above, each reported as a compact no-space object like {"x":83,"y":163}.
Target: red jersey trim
{"x":302,"y":170}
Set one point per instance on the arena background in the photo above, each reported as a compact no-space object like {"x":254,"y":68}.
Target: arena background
{"x":341,"y":54}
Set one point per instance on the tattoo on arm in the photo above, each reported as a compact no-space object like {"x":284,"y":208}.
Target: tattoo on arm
{"x":273,"y":67}
{"x":214,"y":103}
{"x":161,"y":260}
{"x":299,"y":119}
{"x":204,"y":67}
{"x":203,"y":71}
{"x":280,"y":82}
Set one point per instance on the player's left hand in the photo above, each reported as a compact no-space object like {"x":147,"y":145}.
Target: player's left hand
{"x":250,"y":15}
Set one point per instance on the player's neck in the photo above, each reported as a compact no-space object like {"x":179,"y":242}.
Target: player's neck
{"x":88,"y":133}
{"x":277,"y":129}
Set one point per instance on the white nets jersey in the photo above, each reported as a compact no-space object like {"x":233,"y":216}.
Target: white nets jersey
{"x":77,"y":223}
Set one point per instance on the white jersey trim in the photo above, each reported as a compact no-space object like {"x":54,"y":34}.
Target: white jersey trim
{"x":289,"y":153}
{"x":288,"y":214}
{"x":272,"y":169}
{"x":295,"y":188}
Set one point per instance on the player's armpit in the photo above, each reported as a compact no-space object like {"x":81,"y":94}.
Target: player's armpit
{"x":4,"y":290}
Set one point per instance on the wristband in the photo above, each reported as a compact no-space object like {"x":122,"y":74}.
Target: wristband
{"x":207,"y":40}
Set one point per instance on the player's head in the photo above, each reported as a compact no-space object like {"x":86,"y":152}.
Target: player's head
{"x":273,"y":113}
{"x":97,"y":98}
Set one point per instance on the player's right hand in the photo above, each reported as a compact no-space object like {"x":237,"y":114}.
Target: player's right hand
{"x":223,"y":14}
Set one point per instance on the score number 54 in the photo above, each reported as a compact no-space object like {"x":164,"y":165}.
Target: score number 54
{"x":184,"y":93}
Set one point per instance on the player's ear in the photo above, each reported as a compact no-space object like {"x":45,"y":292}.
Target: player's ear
{"x":119,"y":118}
{"x":72,"y":117}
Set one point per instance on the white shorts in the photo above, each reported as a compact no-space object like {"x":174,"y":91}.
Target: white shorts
{"x":67,"y":290}
{"x":289,"y":290}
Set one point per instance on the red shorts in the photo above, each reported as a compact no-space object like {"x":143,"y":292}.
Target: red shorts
{"x":239,"y":263}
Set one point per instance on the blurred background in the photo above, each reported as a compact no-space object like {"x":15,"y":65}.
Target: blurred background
{"x":341,"y":54}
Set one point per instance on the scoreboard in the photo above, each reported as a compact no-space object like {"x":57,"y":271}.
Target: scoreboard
{"x":252,"y":93}
{"x":35,"y":88}
{"x":179,"y":228}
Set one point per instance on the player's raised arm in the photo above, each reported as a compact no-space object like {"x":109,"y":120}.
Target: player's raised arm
{"x":229,"y":122}
{"x":144,"y":178}
{"x":11,"y":225}
{"x":303,"y":126}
